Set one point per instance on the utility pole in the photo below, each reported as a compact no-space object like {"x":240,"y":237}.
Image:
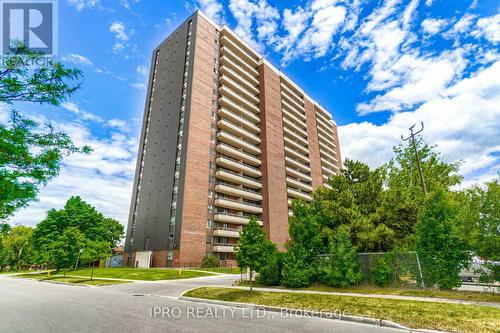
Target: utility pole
{"x":412,"y":137}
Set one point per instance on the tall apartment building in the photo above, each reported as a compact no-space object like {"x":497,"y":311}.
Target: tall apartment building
{"x":225,"y":136}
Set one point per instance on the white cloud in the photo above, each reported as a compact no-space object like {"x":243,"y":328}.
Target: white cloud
{"x":120,"y":124}
{"x":142,"y":71}
{"x":413,"y":79}
{"x":142,"y":78}
{"x":265,"y":16}
{"x":212,"y":8}
{"x":81,"y":4}
{"x":409,"y":12}
{"x":489,"y":28}
{"x":78,"y":59}
{"x":432,"y":26}
{"x":464,"y":123}
{"x":461,"y":27}
{"x":318,"y":38}
{"x":103,"y":178}
{"x":81,"y":114}
{"x":118,"y":29}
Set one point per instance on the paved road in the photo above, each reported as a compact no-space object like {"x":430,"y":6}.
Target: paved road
{"x":33,"y":306}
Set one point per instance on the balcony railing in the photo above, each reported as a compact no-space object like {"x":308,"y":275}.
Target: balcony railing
{"x":221,"y":182}
{"x":237,"y":174}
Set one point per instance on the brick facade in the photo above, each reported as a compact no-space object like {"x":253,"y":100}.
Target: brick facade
{"x":274,"y":197}
{"x":312,"y":138}
{"x":194,"y":212}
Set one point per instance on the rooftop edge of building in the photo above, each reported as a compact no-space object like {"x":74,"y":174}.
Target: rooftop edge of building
{"x":263,"y":60}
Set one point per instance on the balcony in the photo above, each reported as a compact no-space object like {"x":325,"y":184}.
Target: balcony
{"x":229,"y":104}
{"x":232,"y":218}
{"x":327,"y":150}
{"x":289,"y":107}
{"x":238,"y":142}
{"x":330,"y":162}
{"x":296,"y":128}
{"x":239,"y":192}
{"x":298,"y":194}
{"x":238,"y":166}
{"x":297,"y":165}
{"x":327,"y":132}
{"x":292,"y":93}
{"x":299,"y":184}
{"x":231,"y":64}
{"x":298,"y":174}
{"x":250,"y":85}
{"x":238,"y":87}
{"x":240,"y":48}
{"x":296,"y":155}
{"x":295,"y":136}
{"x":239,"y":99}
{"x":238,"y":154}
{"x":238,"y":119}
{"x":294,"y":119}
{"x":327,"y":171}
{"x":237,"y":130}
{"x":243,"y":65}
{"x":237,"y":178}
{"x":238,"y":205}
{"x":233,"y":233}
{"x":296,"y":145}
{"x":323,"y":117}
{"x":290,"y":100}
{"x":224,"y":248}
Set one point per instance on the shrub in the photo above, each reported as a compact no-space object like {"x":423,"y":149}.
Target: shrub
{"x":382,"y":272}
{"x":270,"y":274}
{"x":442,"y":251}
{"x":342,"y":269}
{"x":296,"y":272}
{"x":210,"y":261}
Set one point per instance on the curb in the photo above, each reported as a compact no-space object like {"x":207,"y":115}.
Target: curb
{"x":349,"y":318}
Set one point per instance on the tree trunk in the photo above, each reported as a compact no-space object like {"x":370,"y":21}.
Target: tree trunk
{"x":251,"y":286}
{"x":92,"y":273}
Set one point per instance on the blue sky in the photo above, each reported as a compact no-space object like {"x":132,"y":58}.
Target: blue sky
{"x":378,"y":66}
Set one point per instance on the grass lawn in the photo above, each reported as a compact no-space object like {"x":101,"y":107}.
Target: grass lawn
{"x":434,"y":293}
{"x":414,"y":314}
{"x":69,"y":279}
{"x":148,"y":274}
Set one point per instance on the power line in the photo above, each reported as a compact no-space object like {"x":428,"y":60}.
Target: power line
{"x":412,"y":137}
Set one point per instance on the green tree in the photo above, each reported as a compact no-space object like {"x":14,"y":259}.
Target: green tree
{"x":210,"y":261}
{"x":65,"y":249}
{"x":30,"y":154}
{"x":381,"y":273}
{"x":95,"y":251}
{"x":254,"y":249}
{"x":305,"y":229}
{"x":442,"y":251}
{"x":342,"y":267}
{"x":93,"y":225}
{"x":270,"y":272}
{"x":49,"y":82}
{"x":19,"y":246}
{"x":297,"y":271}
{"x":4,"y":257}
{"x":479,"y":218}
